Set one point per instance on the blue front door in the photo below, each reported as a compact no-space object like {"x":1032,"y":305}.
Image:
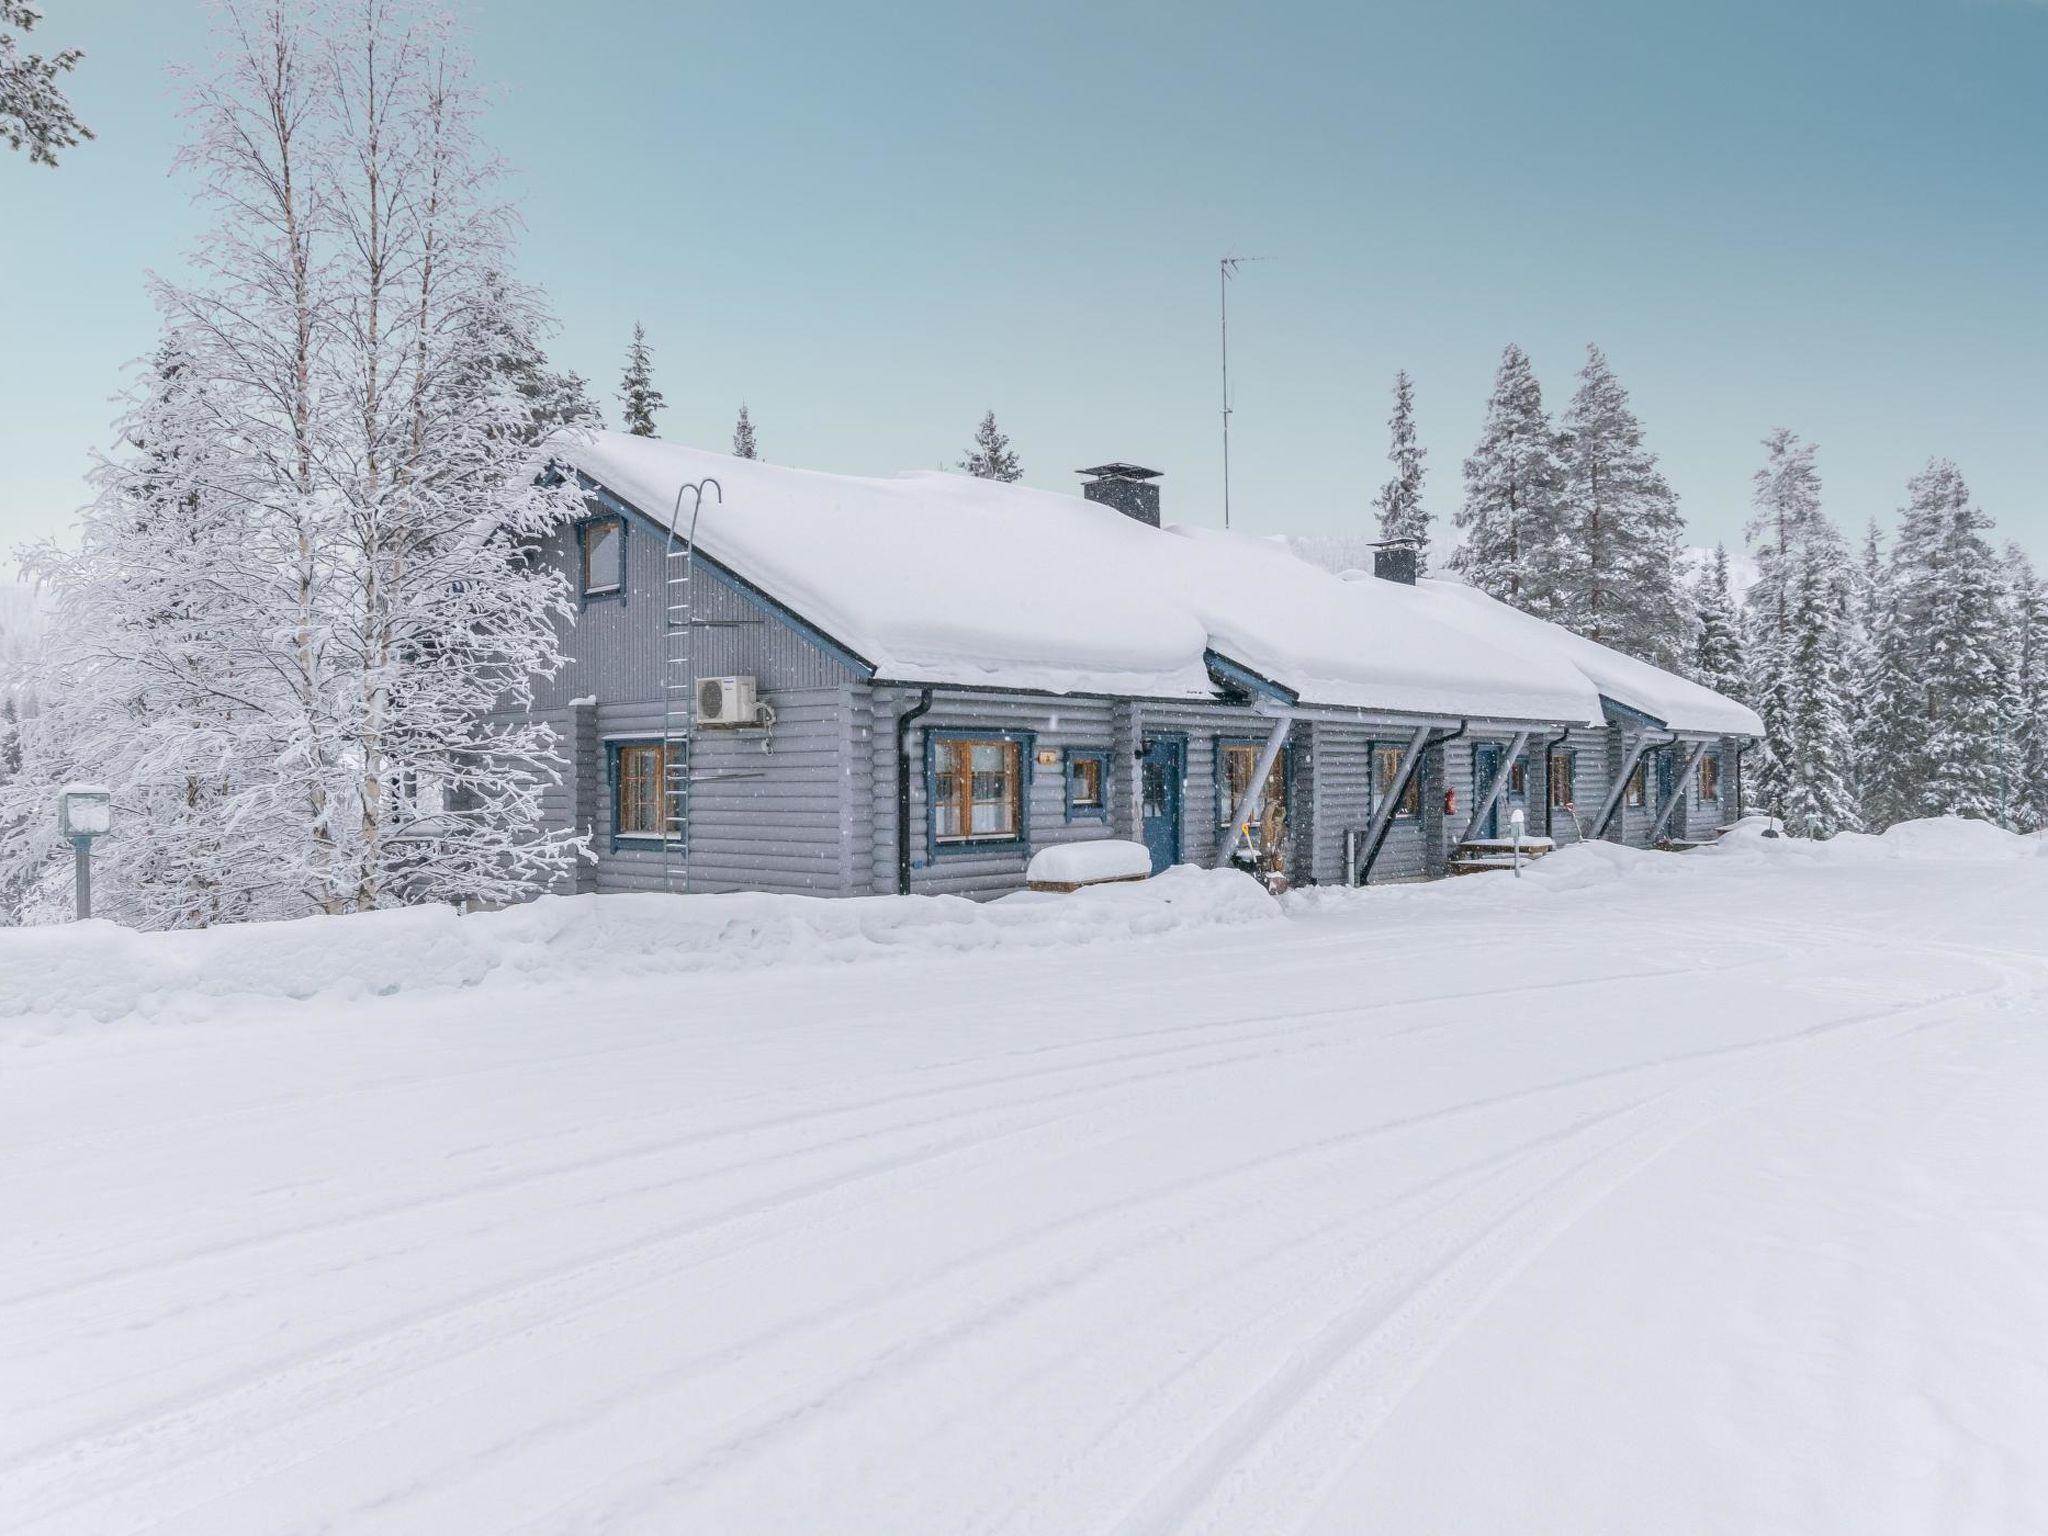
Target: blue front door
{"x":1164,"y":773}
{"x":1485,"y":764}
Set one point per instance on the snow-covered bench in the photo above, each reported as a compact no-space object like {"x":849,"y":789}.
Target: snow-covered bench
{"x":1069,"y":866}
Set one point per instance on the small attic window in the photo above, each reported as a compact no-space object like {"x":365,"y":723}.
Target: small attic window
{"x":603,"y":545}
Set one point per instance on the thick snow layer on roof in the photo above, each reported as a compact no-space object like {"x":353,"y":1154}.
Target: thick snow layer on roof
{"x":942,"y":578}
{"x":1679,"y":703}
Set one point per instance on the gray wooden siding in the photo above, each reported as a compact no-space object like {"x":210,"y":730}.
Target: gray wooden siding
{"x":1588,"y":746}
{"x":768,"y":807}
{"x":617,"y":646}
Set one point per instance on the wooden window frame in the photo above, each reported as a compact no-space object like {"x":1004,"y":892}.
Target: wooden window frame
{"x":1635,"y":794}
{"x":1518,"y":778}
{"x":1570,"y":778}
{"x":1710,"y":767}
{"x":584,"y":529}
{"x":1410,"y":807}
{"x":1084,"y":810}
{"x":617,"y":752}
{"x":1022,"y":748}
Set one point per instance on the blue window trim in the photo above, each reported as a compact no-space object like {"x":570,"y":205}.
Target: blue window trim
{"x":611,"y":779}
{"x":1373,"y":749}
{"x":1099,"y":756}
{"x":584,"y":596}
{"x":1027,"y":752}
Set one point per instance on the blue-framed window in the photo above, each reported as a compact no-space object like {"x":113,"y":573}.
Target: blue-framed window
{"x":639,"y":781}
{"x":977,"y":790}
{"x":1386,"y":767}
{"x":601,"y":557}
{"x":1087,"y":784}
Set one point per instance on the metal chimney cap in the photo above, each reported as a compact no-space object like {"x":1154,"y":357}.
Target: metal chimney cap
{"x":1121,"y":471}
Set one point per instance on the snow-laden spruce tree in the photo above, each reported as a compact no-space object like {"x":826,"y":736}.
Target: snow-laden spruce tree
{"x":343,"y":523}
{"x":638,"y":398}
{"x":1869,"y":604}
{"x":1814,"y":790}
{"x":1958,"y":593}
{"x":1621,"y":581}
{"x":1513,"y":517}
{"x":990,"y":458}
{"x":1401,"y":513}
{"x":2025,"y":758}
{"x":34,"y":114}
{"x":1717,"y":660}
{"x":1786,"y":526}
{"x":505,"y":343}
{"x":743,"y":444}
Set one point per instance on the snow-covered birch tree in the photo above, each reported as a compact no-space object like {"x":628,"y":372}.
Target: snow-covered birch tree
{"x":1512,"y":517}
{"x":330,"y":487}
{"x":1401,"y":513}
{"x":1621,"y":582}
{"x":34,"y":113}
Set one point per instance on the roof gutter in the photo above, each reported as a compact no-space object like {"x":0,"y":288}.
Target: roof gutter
{"x":904,"y":722}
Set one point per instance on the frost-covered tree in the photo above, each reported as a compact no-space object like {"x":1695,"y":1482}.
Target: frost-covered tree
{"x":1787,"y":526}
{"x":1717,"y":660}
{"x":2026,"y":696}
{"x":305,"y":580}
{"x":34,"y":114}
{"x":990,"y":458}
{"x":1785,"y":518}
{"x":1814,"y":790}
{"x":1621,"y":581}
{"x":637,"y":394}
{"x":1512,"y":518}
{"x":505,"y":336}
{"x":743,"y":444}
{"x":1958,"y":592}
{"x":1933,"y":700}
{"x":1401,"y":513}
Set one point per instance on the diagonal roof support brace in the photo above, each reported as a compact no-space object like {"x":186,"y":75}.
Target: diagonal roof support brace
{"x":1248,"y":807}
{"x":1383,"y":813}
{"x":1620,"y":784}
{"x":1490,"y":796}
{"x":1692,"y":763}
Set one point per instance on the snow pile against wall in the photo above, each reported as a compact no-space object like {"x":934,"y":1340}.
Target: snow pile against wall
{"x":106,"y":971}
{"x":948,"y":579}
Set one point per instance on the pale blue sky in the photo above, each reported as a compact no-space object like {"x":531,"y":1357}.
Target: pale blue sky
{"x":874,"y":222}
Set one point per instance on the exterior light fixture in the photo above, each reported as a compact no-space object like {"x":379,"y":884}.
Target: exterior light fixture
{"x":84,"y":812}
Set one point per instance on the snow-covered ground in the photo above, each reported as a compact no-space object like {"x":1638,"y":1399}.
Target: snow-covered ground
{"x":1647,"y":1193}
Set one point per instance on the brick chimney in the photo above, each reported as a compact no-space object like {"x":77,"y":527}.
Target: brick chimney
{"x":1127,"y":487}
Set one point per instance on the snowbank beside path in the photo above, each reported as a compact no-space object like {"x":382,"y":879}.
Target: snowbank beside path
{"x":106,"y":971}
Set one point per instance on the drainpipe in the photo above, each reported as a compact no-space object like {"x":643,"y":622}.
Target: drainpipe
{"x":1741,"y":746}
{"x":1549,"y":801}
{"x":904,"y":722}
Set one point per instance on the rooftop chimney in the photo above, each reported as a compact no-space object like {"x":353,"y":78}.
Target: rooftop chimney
{"x":1394,"y":560}
{"x":1126,"y":487}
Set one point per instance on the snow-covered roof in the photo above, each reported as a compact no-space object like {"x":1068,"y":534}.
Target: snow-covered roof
{"x":1677,"y":702}
{"x":941,"y":578}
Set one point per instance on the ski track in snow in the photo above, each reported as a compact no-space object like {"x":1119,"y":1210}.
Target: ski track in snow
{"x":1157,"y":1237}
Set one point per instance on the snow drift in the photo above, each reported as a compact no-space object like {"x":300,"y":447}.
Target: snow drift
{"x":107,"y":971}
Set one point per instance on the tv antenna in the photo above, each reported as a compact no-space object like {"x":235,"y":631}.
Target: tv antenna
{"x":1226,"y":269}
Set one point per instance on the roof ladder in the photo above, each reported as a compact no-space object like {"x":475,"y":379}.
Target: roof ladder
{"x":679,"y":684}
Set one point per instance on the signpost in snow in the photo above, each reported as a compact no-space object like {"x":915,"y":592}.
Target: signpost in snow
{"x":1516,"y":820}
{"x":84,"y":812}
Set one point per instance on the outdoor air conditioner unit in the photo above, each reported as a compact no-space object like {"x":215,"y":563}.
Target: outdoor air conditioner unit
{"x":727,"y":701}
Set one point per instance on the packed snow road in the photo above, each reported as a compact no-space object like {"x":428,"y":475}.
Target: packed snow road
{"x":1702,"y":1194}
